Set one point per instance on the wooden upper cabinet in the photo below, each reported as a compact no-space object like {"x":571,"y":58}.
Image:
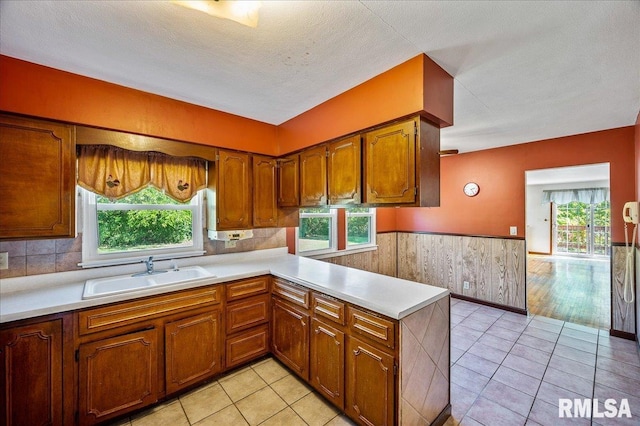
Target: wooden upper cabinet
{"x":31,"y":375}
{"x":313,"y":177}
{"x":289,"y":181}
{"x":265,"y":206}
{"x":230,"y":191}
{"x":344,"y":171}
{"x":38,"y":178}
{"x":390,"y":164}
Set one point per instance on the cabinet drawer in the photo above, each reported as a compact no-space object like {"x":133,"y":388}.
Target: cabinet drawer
{"x":291,"y":292}
{"x":246,"y":288}
{"x":377,"y":329}
{"x":247,"y":313}
{"x":247,"y":345}
{"x":125,"y":313}
{"x":328,"y":307}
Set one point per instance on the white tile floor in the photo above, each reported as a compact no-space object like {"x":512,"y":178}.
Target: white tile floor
{"x":507,"y":369}
{"x":510,"y":369}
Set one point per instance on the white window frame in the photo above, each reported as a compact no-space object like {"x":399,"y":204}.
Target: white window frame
{"x":372,"y":228}
{"x":91,"y":257}
{"x":333,"y":242}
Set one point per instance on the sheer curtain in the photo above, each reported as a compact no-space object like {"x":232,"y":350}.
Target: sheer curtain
{"x":115,"y":172}
{"x":583,"y":195}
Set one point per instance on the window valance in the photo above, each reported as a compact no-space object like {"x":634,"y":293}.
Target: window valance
{"x":583,"y":195}
{"x":115,"y":172}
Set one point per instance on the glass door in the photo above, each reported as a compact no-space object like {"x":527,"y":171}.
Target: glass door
{"x":583,"y":229}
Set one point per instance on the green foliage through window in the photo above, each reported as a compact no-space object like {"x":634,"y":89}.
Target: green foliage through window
{"x":315,"y":231}
{"x":145,"y":221}
{"x":583,"y":228}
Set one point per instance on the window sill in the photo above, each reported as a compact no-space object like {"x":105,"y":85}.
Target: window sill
{"x":339,"y":253}
{"x":125,"y":261}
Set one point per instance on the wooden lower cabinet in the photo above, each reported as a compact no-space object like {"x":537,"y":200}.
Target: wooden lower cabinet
{"x":370,"y":384}
{"x":327,"y":361}
{"x":290,"y":336}
{"x":247,"y":322}
{"x":117,"y":375}
{"x":192,"y":350}
{"x":31,"y":374}
{"x":247,"y":345}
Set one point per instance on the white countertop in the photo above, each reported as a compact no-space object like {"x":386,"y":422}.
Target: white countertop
{"x":36,"y":295}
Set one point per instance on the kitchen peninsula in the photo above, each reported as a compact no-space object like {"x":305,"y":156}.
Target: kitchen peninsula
{"x":376,"y":347}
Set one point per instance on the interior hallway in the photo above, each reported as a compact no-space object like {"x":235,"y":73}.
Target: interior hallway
{"x":506,"y":369}
{"x":571,"y":289}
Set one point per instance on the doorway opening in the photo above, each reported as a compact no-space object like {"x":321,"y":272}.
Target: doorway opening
{"x":568,"y":238}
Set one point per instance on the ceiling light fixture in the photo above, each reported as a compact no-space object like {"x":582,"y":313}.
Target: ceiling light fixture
{"x":241,"y":11}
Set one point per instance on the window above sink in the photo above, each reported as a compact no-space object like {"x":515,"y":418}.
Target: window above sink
{"x":146,"y":223}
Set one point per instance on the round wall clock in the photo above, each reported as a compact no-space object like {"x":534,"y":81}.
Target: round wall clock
{"x":471,"y":189}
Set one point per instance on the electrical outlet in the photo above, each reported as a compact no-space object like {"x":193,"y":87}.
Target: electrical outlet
{"x":230,"y":244}
{"x":4,"y":260}
{"x":465,"y":285}
{"x":513,"y":230}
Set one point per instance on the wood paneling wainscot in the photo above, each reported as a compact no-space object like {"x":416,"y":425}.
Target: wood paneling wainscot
{"x":382,"y":261}
{"x":622,"y":314}
{"x":494,"y":267}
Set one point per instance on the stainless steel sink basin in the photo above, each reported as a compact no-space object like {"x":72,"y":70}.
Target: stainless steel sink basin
{"x":102,"y":287}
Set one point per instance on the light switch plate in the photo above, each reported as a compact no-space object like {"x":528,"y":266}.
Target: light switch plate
{"x":513,"y":230}
{"x":4,"y":260}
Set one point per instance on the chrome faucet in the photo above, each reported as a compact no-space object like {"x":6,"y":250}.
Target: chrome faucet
{"x":150,"y":270}
{"x":149,"y":263}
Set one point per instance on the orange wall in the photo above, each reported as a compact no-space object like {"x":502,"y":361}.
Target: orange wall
{"x":637,"y":149}
{"x":417,"y":86}
{"x":500,"y":173}
{"x":386,"y":219}
{"x":31,"y":89}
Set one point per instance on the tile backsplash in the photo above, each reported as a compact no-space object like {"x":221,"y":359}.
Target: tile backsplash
{"x":35,"y":257}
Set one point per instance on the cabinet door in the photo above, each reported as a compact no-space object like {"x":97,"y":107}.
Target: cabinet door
{"x":290,"y":336}
{"x":327,"y":362}
{"x":193,"y":349}
{"x":31,"y":375}
{"x":247,"y":313}
{"x":233,"y":191}
{"x":247,"y":345}
{"x":288,"y":181}
{"x":390,"y":164}
{"x":265,"y":205}
{"x":370,"y":384}
{"x":313,"y":177}
{"x":344,"y":171}
{"x":117,"y":375}
{"x":38,"y":179}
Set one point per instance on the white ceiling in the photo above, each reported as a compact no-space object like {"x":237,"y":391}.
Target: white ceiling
{"x":523,"y":71}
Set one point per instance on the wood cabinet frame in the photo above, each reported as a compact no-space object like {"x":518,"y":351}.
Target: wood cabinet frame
{"x":349,"y":354}
{"x":37,"y":202}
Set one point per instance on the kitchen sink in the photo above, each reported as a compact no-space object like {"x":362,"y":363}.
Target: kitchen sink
{"x":102,"y":287}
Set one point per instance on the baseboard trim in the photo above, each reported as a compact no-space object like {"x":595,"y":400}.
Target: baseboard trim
{"x":491,"y":304}
{"x":443,"y":416}
{"x":622,"y":334}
